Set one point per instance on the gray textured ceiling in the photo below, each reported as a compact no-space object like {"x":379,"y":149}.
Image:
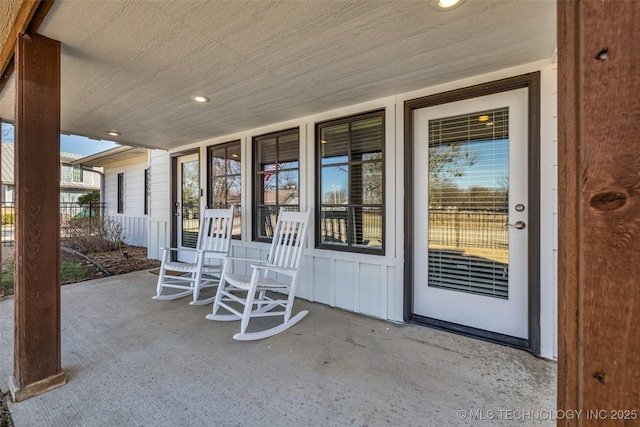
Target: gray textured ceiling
{"x":132,"y":66}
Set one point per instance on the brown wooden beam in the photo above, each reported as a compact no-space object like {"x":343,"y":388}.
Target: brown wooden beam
{"x":29,"y":18}
{"x":599,"y":211}
{"x":37,"y":349}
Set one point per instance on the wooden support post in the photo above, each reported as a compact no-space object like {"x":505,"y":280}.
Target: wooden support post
{"x":37,"y":352}
{"x":599,"y":211}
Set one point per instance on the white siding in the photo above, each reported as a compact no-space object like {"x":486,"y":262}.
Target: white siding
{"x":549,"y":209}
{"x":159,"y":205}
{"x":134,"y":221}
{"x":370,"y":284}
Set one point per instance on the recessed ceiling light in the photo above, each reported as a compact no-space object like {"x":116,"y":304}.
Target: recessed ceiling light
{"x":489,"y":124}
{"x":323,"y":141}
{"x":201,"y":98}
{"x":113,"y":133}
{"x":234,"y":155}
{"x":483,"y":118}
{"x":446,"y":4}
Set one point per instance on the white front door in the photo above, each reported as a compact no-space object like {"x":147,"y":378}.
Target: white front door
{"x":187,"y":206}
{"x":470,"y":181}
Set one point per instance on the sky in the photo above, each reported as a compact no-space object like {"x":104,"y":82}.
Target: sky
{"x":68,"y":143}
{"x":490,"y":166}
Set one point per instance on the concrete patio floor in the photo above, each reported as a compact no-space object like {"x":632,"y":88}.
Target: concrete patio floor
{"x":133,"y":361}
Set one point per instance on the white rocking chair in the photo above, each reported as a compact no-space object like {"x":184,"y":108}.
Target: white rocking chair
{"x":214,"y":241}
{"x":283,"y":260}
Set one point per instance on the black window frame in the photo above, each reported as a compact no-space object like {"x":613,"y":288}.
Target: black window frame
{"x":258,"y":176}
{"x":147,"y":189}
{"x":238,"y":206}
{"x":381,"y":251}
{"x":121,"y":192}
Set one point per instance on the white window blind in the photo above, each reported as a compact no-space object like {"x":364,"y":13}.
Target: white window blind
{"x":468,"y":202}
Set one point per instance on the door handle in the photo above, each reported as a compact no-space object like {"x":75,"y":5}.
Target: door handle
{"x":520,"y":225}
{"x":177,"y":211}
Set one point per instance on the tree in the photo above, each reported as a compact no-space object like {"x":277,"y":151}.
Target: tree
{"x":448,"y":161}
{"x":89,"y":198}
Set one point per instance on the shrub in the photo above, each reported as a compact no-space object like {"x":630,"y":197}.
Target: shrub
{"x":92,"y":197}
{"x":90,"y":202}
{"x":8,"y":218}
{"x":86,"y":234}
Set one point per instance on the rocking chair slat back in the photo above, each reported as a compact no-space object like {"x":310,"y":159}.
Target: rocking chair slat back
{"x":215,"y":233}
{"x":287,"y":246}
{"x":214,"y":241}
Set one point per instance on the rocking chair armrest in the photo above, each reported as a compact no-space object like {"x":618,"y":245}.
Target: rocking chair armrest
{"x":234,"y":258}
{"x":206,"y":251}
{"x":273,"y":268}
{"x":176,"y":249}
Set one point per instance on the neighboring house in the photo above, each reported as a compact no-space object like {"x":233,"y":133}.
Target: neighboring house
{"x":125,"y":194}
{"x":74,"y":180}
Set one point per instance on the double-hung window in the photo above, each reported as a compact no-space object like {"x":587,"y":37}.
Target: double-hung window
{"x":350,"y":185}
{"x":225,"y":180}
{"x":276,"y":179}
{"x":77,"y":174}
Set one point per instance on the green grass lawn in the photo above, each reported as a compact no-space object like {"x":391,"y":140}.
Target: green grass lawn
{"x":69,"y":272}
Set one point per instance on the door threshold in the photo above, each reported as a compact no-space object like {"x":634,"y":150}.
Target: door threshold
{"x":493,"y":337}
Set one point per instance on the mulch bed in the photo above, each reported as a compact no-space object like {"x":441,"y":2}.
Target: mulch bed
{"x":5,"y":416}
{"x":125,"y":260}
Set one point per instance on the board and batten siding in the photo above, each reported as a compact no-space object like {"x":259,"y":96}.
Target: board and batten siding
{"x":364,"y":283}
{"x":549,"y":205}
{"x":133,"y":220}
{"x":159,"y":203}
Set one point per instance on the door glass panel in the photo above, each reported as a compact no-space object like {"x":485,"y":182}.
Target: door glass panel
{"x":218,"y":191}
{"x":234,"y":190}
{"x":468,"y":203}
{"x":190,"y":206}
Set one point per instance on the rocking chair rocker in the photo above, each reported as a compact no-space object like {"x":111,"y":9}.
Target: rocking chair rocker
{"x":283,"y":260}
{"x":214,"y":241}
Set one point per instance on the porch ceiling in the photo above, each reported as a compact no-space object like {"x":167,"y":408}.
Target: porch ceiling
{"x":133,"y":66}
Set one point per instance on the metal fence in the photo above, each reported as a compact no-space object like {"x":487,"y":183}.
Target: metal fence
{"x":467,"y":228}
{"x":68,"y":211}
{"x":365,"y":226}
{"x":447,"y":227}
